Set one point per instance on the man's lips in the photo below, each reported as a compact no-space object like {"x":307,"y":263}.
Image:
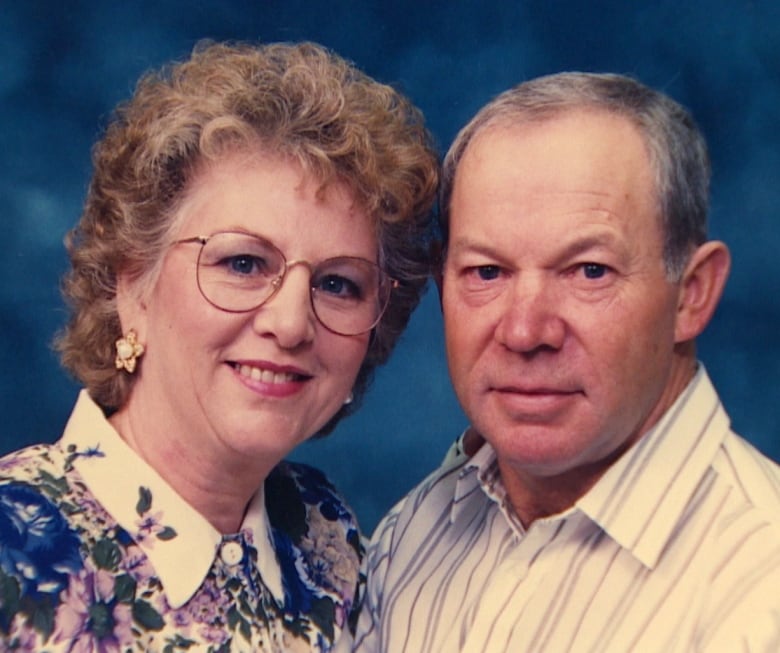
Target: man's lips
{"x":535,"y":400}
{"x":531,"y":389}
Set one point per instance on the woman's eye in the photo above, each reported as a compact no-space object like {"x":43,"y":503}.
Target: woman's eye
{"x":245,"y":264}
{"x":339,"y":286}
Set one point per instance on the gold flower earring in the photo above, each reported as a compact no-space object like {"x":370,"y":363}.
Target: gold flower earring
{"x":128,"y":351}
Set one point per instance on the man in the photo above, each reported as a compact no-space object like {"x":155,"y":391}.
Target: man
{"x":599,"y":502}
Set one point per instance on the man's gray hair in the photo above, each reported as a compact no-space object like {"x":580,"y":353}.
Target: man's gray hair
{"x":677,"y":150}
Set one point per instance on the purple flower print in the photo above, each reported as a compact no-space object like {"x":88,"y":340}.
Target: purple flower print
{"x":90,"y":618}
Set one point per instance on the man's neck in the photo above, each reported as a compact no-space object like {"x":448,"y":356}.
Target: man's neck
{"x":535,"y":496}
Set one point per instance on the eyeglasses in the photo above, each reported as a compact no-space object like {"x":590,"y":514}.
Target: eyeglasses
{"x":238,"y":272}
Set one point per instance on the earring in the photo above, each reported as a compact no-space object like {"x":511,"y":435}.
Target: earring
{"x":128,"y":350}
{"x":350,"y":398}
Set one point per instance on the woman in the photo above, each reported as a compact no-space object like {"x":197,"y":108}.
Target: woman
{"x":251,"y":247}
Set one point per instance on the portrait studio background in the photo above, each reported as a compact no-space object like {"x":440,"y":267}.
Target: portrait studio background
{"x":64,"y":65}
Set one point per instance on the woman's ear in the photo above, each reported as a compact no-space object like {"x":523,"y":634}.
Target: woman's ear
{"x":130,"y":306}
{"x":701,"y":288}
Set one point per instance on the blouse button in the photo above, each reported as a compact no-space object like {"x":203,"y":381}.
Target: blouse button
{"x":231,"y":553}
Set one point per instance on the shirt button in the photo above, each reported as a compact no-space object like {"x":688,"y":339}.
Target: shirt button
{"x":231,"y":553}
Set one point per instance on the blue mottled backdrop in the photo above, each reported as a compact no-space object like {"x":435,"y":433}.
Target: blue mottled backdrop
{"x":64,"y":64}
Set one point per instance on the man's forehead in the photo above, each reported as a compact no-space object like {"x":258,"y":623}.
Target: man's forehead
{"x":577,"y":153}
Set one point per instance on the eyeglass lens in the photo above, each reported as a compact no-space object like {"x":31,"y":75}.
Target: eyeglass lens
{"x":239,"y":272}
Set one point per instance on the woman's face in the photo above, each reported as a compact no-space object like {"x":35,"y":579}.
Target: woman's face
{"x":262,"y":381}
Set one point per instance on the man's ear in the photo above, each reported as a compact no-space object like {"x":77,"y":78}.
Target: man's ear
{"x":701,"y":288}
{"x":130,"y":307}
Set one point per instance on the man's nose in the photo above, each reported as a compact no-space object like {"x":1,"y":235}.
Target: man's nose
{"x":531,"y":316}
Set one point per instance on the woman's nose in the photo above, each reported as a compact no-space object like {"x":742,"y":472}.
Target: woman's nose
{"x":288,"y":315}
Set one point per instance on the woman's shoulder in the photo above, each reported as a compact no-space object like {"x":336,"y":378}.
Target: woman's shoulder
{"x":317,"y":540}
{"x":294,"y":487}
{"x":33,"y":464}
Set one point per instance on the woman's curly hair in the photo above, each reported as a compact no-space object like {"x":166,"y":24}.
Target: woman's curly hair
{"x":299,"y":101}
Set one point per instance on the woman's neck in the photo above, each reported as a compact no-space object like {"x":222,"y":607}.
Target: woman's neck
{"x":216,"y":484}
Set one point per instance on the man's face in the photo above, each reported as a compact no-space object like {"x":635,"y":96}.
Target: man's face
{"x":559,"y":318}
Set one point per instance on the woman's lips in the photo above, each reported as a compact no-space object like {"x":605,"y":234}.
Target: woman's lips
{"x":267,"y":376}
{"x":271,"y":380}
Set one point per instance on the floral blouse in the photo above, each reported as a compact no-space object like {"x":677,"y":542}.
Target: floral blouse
{"x":99,"y":555}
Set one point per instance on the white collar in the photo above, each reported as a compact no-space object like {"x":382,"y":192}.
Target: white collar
{"x":640,"y":500}
{"x":179,"y":542}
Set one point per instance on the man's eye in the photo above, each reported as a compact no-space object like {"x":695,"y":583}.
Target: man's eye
{"x":487,"y":272}
{"x":594,"y":270}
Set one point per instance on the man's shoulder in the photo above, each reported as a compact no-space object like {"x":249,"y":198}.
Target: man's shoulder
{"x":754,"y":477}
{"x":749,"y":524}
{"x":739,"y":559}
{"x":440,"y":484}
{"x":429,"y":504}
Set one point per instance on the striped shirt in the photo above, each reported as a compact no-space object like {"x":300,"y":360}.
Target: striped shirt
{"x":676,"y":548}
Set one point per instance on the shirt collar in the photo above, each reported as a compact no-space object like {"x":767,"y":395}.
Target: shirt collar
{"x":179,"y":542}
{"x":640,"y":499}
{"x":479,"y":476}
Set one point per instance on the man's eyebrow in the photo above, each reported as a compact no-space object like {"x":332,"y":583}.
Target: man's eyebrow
{"x":597,"y":240}
{"x":469,"y":245}
{"x":601,"y":238}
